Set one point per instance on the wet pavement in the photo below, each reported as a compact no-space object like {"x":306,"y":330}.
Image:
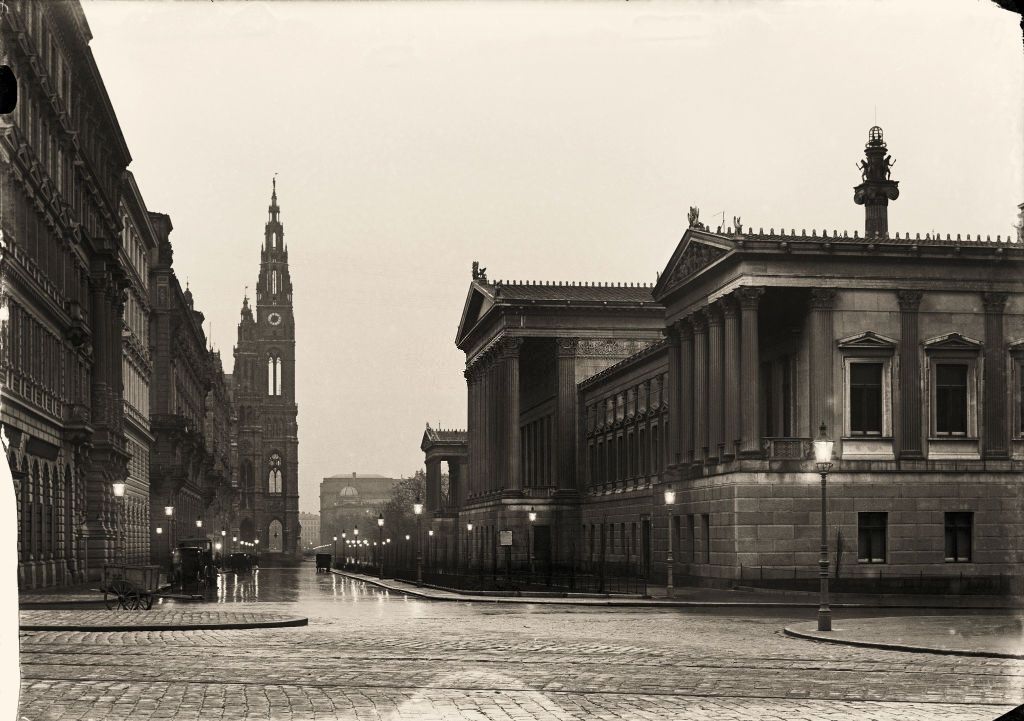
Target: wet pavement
{"x":371,"y":653}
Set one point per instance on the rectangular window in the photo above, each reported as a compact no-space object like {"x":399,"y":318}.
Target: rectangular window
{"x":611,"y":538}
{"x":866,"y":399}
{"x":655,"y":466}
{"x":959,"y":531}
{"x":871,"y":532}
{"x":642,"y":455}
{"x":622,"y":539}
{"x":951,"y":399}
{"x":706,"y":539}
{"x":691,"y":540}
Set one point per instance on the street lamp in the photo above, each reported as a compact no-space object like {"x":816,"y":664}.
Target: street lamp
{"x":256,"y":543}
{"x":234,"y":540}
{"x":417,"y":509}
{"x":469,"y":530}
{"x":670,"y":499}
{"x":119,"y":495}
{"x":823,"y":460}
{"x":169,"y":514}
{"x":533,"y":517}
{"x":380,"y":556}
{"x":199,"y":522}
{"x":335,"y":557}
{"x":431,"y":549}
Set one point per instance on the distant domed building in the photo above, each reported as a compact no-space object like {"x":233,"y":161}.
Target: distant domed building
{"x":348,"y":500}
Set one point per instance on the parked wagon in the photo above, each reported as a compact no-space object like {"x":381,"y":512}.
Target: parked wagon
{"x":130,"y":587}
{"x":323,"y":562}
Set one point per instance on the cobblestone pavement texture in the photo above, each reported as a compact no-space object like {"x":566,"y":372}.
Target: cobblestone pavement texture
{"x":996,"y":634}
{"x":170,"y":618}
{"x":371,"y":654}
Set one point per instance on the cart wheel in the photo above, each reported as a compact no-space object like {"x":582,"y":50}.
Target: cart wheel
{"x":119,"y":594}
{"x":131,"y":601}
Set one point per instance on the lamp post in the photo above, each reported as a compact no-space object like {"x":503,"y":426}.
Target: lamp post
{"x":469,"y":530}
{"x":823,"y":460}
{"x":431,"y":548}
{"x":670,"y":499}
{"x":344,"y":544}
{"x":119,"y":495}
{"x":334,"y":558}
{"x":380,"y":556}
{"x":234,"y":540}
{"x":169,"y":513}
{"x":355,"y":542}
{"x":417,"y":509}
{"x":256,"y":543}
{"x":533,"y":517}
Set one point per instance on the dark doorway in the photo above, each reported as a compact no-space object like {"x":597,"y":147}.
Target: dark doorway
{"x":542,"y":548}
{"x":646,"y":540}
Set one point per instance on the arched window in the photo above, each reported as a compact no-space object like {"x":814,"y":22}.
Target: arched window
{"x":273,"y":282}
{"x":274,"y":375}
{"x":274,"y":476}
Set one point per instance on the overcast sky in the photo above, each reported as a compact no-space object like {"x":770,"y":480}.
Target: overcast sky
{"x":557,"y":141}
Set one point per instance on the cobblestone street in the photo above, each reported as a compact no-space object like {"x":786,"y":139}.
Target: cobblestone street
{"x":368,"y":654}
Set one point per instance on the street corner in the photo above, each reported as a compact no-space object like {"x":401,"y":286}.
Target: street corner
{"x":155,"y":620}
{"x":990,"y":635}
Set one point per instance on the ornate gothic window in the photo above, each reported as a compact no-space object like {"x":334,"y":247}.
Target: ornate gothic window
{"x":274,"y":477}
{"x":273,"y":282}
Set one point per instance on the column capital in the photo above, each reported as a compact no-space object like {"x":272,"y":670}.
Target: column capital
{"x":909,"y":300}
{"x":699,"y":322}
{"x":566,"y":347}
{"x":685,"y":329}
{"x":823,"y":298}
{"x":712,"y":315}
{"x":994,"y":302}
{"x":748,"y":296}
{"x":671,"y":333}
{"x":727,"y":305}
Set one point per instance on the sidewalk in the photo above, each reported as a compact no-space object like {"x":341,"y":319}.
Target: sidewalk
{"x":155,"y":620}
{"x":993,"y":636}
{"x":690,"y":597}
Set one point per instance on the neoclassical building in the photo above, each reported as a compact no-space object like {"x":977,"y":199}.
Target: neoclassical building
{"x":908,"y":348}
{"x":62,"y":159}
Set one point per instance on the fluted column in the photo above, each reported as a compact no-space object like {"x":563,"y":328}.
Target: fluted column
{"x":820,"y":387}
{"x":674,"y":386}
{"x":565,"y":438}
{"x":995,"y":442}
{"x":470,"y":377}
{"x":750,"y":439}
{"x":684,"y":428}
{"x":715,"y":392}
{"x":700,"y":386}
{"x":909,"y":440}
{"x":513,"y":477}
{"x":731,"y":376}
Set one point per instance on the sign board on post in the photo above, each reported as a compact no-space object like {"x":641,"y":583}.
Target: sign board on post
{"x":504,"y":538}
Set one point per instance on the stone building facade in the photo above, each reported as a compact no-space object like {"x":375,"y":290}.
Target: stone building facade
{"x":907,"y":349}
{"x":527,"y":347}
{"x":63,"y":159}
{"x":263,"y":387}
{"x":138,"y":242}
{"x":309,"y":535}
{"x":190,"y":468}
{"x":350,"y":501}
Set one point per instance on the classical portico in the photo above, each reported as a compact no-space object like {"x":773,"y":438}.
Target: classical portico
{"x":527,"y":346}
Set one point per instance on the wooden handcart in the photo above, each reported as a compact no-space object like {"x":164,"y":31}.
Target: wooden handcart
{"x":130,"y":587}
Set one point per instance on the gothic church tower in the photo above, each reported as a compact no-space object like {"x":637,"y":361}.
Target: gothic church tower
{"x":264,"y":385}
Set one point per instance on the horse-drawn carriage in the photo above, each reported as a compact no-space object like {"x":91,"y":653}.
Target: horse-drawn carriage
{"x":240,"y":563}
{"x":192,"y":562}
{"x":323,"y":562}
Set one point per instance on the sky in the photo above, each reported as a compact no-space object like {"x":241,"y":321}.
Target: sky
{"x":549,"y":141}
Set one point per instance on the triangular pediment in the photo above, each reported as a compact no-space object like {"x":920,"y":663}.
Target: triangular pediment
{"x":952,"y":341}
{"x":478,"y":301}
{"x":694,"y":254}
{"x":867,"y":341}
{"x":1016,"y":347}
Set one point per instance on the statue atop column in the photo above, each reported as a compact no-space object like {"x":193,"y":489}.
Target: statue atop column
{"x":877,"y":187}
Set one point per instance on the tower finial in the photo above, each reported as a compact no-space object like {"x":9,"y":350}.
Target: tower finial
{"x":877,"y":188}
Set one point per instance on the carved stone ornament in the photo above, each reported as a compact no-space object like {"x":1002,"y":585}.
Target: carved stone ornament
{"x":695,"y":258}
{"x":909,"y":300}
{"x":823,"y":298}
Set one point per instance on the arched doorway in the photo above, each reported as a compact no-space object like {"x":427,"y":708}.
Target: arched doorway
{"x":275,"y":537}
{"x":247,"y":530}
